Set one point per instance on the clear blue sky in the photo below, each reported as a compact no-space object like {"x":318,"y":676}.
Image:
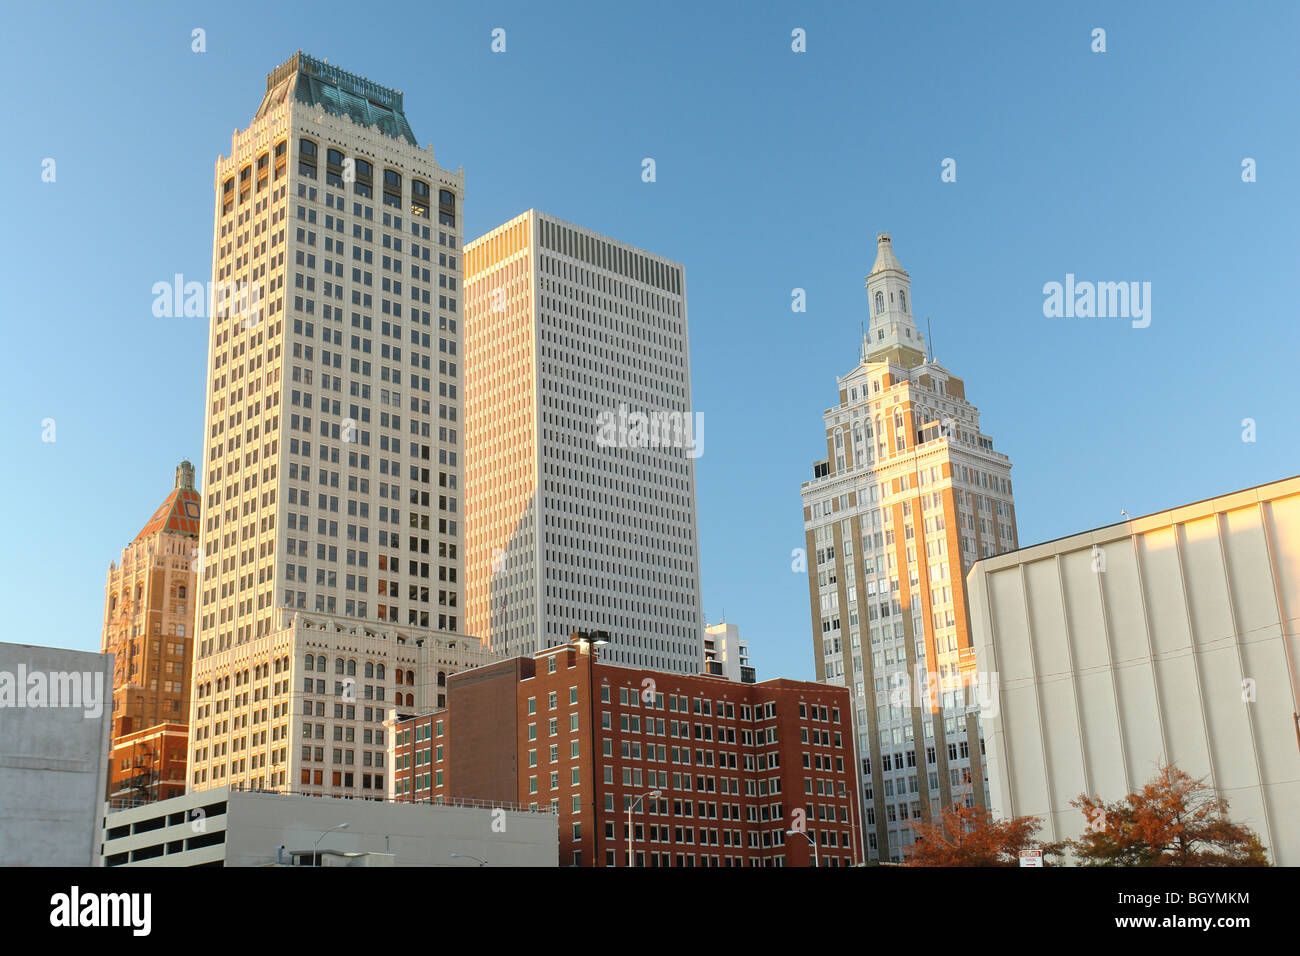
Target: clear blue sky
{"x":775,"y":171}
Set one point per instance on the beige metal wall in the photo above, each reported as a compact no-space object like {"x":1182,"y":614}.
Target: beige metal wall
{"x":1118,"y":648}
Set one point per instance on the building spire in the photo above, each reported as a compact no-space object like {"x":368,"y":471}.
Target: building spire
{"x":886,"y":261}
{"x":892,"y":335}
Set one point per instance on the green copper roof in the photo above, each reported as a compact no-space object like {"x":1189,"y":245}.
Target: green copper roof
{"x":336,"y":91}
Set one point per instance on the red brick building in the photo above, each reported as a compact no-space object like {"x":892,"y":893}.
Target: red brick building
{"x":149,"y":765}
{"x":735,"y":765}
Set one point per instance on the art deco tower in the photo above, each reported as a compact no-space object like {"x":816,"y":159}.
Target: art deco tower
{"x":910,"y":494}
{"x":331,"y":565}
{"x":576,"y":522}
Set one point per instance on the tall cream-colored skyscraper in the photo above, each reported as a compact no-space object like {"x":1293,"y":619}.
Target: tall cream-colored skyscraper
{"x":331,"y":564}
{"x":580,"y":446}
{"x":910,"y":494}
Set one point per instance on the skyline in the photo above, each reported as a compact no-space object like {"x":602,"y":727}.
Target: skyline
{"x":746,"y":540}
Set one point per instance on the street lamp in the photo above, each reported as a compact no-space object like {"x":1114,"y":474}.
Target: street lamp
{"x":811,"y":842}
{"x":314,"y":855}
{"x":656,"y":794}
{"x":466,"y":856}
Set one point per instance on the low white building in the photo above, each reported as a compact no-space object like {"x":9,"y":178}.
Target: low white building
{"x":1167,"y":638}
{"x":225,"y":827}
{"x":55,"y":734}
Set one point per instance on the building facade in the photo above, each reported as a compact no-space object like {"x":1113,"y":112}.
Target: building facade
{"x":332,"y":526}
{"x":149,"y":765}
{"x":910,"y":493}
{"x":715,"y":773}
{"x":1168,"y":638}
{"x":149,"y":608}
{"x":226,"y":827}
{"x":581,"y":442}
{"x":726,"y":654}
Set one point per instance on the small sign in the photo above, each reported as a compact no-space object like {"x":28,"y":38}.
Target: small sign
{"x":1031,"y":857}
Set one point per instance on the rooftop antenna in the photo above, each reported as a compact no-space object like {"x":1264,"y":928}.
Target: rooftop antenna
{"x":929,"y":341}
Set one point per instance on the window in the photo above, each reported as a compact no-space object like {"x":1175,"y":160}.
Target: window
{"x":446,"y":207}
{"x":334,"y":168}
{"x":307,"y":158}
{"x":419,"y":199}
{"x":392,"y":188}
{"x":880,"y":303}
{"x":364,"y":186}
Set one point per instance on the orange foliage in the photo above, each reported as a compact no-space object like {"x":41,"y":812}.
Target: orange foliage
{"x":1172,"y":821}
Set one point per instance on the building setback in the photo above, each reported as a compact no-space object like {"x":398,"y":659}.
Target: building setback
{"x":909,"y":495}
{"x":1168,"y":638}
{"x":580,"y":446}
{"x":332,"y":524}
{"x":737,"y":765}
{"x":726,"y":653}
{"x":149,"y":606}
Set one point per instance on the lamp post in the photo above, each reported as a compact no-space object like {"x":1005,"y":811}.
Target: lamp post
{"x":656,"y":794}
{"x":466,"y":856}
{"x":314,"y":855}
{"x":811,"y":842}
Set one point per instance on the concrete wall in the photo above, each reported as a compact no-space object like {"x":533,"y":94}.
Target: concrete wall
{"x":53,"y":759}
{"x":1172,"y":637}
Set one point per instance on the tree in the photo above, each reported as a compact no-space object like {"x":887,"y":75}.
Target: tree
{"x":970,"y":836}
{"x":1174,"y":820}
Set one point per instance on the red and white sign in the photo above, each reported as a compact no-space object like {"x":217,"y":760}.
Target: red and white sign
{"x":1031,"y":857}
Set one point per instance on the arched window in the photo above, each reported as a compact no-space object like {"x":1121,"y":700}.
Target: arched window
{"x":320,"y":664}
{"x":352,"y":668}
{"x":880,"y":302}
{"x":379,"y":671}
{"x":338,"y":665}
{"x":410,"y":677}
{"x":311,"y":662}
{"x":902,"y":301}
{"x":399,"y":675}
{"x":442,"y":679}
{"x":370,"y":669}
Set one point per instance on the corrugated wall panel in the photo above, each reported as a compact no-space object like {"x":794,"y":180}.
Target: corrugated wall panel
{"x":1166,"y":603}
{"x":1083,"y":604}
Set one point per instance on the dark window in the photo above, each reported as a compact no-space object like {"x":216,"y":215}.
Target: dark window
{"x":392,"y":188}
{"x":307,"y":158}
{"x":364,"y":186}
{"x":334,"y":168}
{"x":419,"y":198}
{"x":447,"y":207}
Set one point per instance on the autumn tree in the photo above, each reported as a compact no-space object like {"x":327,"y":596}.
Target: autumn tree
{"x":1174,"y":820}
{"x":970,"y":836}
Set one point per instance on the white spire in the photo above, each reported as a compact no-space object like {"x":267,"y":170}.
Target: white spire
{"x":892,"y":335}
{"x":886,"y":261}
